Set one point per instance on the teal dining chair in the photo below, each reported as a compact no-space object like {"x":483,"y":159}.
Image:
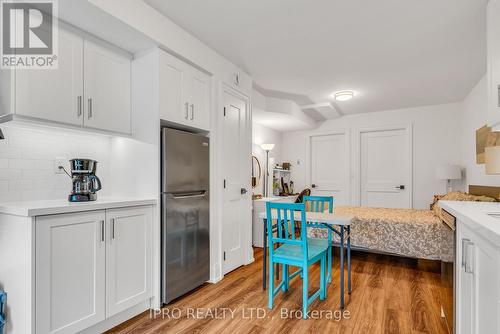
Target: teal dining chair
{"x":321,"y":204}
{"x":288,"y":249}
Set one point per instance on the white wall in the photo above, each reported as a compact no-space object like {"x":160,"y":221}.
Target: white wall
{"x":27,"y":162}
{"x":265,"y":135}
{"x":474,"y":114}
{"x":436,"y":138}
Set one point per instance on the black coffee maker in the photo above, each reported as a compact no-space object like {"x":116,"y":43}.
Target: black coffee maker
{"x":85,"y":182}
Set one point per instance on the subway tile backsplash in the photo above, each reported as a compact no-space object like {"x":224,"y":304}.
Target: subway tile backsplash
{"x":27,"y":162}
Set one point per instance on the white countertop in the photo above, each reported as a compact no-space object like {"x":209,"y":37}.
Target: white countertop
{"x":475,"y":215}
{"x":50,"y":207}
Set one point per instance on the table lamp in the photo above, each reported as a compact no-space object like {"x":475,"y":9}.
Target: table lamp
{"x":492,"y":160}
{"x":448,"y":173}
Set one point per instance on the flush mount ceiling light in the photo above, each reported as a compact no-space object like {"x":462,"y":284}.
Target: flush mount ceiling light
{"x":344,"y":95}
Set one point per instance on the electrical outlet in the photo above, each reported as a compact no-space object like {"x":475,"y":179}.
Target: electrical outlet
{"x":60,"y":162}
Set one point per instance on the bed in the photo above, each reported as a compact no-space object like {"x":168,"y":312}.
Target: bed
{"x":407,"y":232}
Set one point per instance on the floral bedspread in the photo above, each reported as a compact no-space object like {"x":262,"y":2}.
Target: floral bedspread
{"x":405,"y":232}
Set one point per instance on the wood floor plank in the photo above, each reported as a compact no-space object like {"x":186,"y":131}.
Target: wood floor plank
{"x":390,"y":295}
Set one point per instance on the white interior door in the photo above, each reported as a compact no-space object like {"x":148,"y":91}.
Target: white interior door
{"x":236,"y":206}
{"x":385,"y":168}
{"x":330,"y":167}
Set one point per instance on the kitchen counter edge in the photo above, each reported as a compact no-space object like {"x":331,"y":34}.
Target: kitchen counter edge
{"x":52,"y":207}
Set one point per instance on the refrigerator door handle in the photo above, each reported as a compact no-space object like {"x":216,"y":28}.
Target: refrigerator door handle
{"x":191,"y":194}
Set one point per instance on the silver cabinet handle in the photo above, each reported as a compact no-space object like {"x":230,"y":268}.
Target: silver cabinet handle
{"x":498,"y":96}
{"x":192,"y":111}
{"x":90,"y":108}
{"x":112,"y":228}
{"x":79,"y":105}
{"x":469,"y":254}
{"x":102,"y":231}
{"x":186,"y":107}
{"x":464,"y":241}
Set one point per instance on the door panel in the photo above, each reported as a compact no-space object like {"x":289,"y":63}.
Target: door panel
{"x":54,"y":94}
{"x":384,"y":167}
{"x":185,"y":239}
{"x":330,"y":167}
{"x":107,"y":88}
{"x":128,"y":258}
{"x":199,"y":100}
{"x":70,"y":272}
{"x":173,"y":102}
{"x":236,"y":216}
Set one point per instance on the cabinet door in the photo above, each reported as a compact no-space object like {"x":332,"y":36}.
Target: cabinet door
{"x":493,"y":41}
{"x":174,"y":104}
{"x":54,"y":95}
{"x":478,"y":298}
{"x":486,"y":288}
{"x":128,"y":258}
{"x":106,"y":87}
{"x":70,"y":272}
{"x":199,"y":107}
{"x":465,"y":282}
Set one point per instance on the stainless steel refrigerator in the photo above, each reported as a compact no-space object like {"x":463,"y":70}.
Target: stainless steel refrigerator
{"x":184,"y":212}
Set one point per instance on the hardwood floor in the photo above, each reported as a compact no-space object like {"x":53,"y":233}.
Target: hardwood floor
{"x":390,"y":295}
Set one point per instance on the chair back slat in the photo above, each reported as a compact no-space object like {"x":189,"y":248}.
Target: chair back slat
{"x":286,"y":215}
{"x":319,"y":203}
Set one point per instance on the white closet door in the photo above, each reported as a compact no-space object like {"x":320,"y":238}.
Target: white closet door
{"x":237,"y":206}
{"x":330,"y":167}
{"x":54,"y":95}
{"x":385,"y":168}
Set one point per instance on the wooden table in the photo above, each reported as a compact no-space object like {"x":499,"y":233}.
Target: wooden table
{"x":339,"y":224}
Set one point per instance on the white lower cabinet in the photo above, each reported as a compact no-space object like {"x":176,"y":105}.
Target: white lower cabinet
{"x":128,"y":258}
{"x":91,"y":266}
{"x":70,"y":272}
{"x":478,"y":283}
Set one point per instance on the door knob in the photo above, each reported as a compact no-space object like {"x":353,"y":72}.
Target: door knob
{"x":313,"y":185}
{"x":401,"y":187}
{"x":243,"y":191}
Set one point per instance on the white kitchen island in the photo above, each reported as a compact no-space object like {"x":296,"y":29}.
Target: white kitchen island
{"x":477,"y":266}
{"x":70,"y":267}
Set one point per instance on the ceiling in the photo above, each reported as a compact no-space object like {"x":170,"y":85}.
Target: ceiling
{"x":393,"y":53}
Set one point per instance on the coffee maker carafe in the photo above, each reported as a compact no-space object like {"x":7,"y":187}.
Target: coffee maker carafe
{"x":85,"y":182}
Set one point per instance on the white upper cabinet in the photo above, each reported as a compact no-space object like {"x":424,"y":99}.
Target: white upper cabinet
{"x":493,"y":40}
{"x":89,"y":89}
{"x":173,"y":100}
{"x":199,"y":107}
{"x":184,"y":93}
{"x":107,"y":88}
{"x":54,"y":95}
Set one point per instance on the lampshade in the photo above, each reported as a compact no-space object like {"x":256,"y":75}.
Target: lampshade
{"x":267,"y":147}
{"x":492,"y":159}
{"x":448,"y":172}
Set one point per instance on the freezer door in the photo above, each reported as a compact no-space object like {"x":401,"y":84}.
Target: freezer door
{"x":185,"y":243}
{"x":185,"y":161}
